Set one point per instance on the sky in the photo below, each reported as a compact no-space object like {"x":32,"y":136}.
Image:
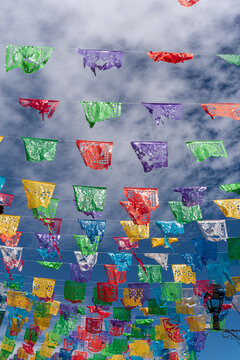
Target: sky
{"x":205,"y":29}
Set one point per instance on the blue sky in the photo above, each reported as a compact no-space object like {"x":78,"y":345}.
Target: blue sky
{"x":204,"y":29}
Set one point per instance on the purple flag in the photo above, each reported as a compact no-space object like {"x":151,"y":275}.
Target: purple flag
{"x":192,"y":196}
{"x":101,"y":59}
{"x":76,"y":274}
{"x":152,"y":154}
{"x":164,"y":111}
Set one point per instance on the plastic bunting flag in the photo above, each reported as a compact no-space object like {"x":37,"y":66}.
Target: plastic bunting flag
{"x":229,"y":207}
{"x":40,"y":149}
{"x":93,"y":228}
{"x":85,"y":246}
{"x":218,"y":273}
{"x":152,"y":154}
{"x":231,"y":58}
{"x":170,"y":227}
{"x":11,"y":240}
{"x":115,"y":277}
{"x":31,"y":335}
{"x":50,"y":265}
{"x":233,"y":287}
{"x":187,"y":3}
{"x":213,"y":230}
{"x":107,"y":59}
{"x":161,"y":112}
{"x":152,"y":274}
{"x":46,"y":351}
{"x":156,"y":308}
{"x":202,"y":150}
{"x":123,"y":261}
{"x":8,"y":345}
{"x":184,"y":274}
{"x":54,"y":307}
{"x":78,"y":275}
{"x":100,"y":111}
{"x":135,"y":214}
{"x":231,"y":188}
{"x":141,"y":202}
{"x":27,"y":58}
{"x":137,"y":290}
{"x":94,"y":325}
{"x":122,"y":314}
{"x":140,"y":348}
{"x":43,"y":288}
{"x":38,"y":193}
{"x":225,"y":110}
{"x":234,"y":248}
{"x":44,"y":213}
{"x":96,"y":154}
{"x":80,"y":355}
{"x":196,"y":323}
{"x":172,"y":330}
{"x":171,"y":291}
{"x":170,"y":57}
{"x":149,"y":196}
{"x":207,"y":250}
{"x":129,"y":301}
{"x":9,"y":224}
{"x":12,"y":258}
{"x":107,"y":292}
{"x":48,"y":242}
{"x":41,"y":309}
{"x":185,"y":307}
{"x":123,"y":243}
{"x":74,"y":292}
{"x":69,"y":311}
{"x":86,"y":262}
{"x":184,"y":214}
{"x":45,"y":107}
{"x":135,"y":232}
{"x":201,"y":287}
{"x":166,"y":242}
{"x":18,"y":299}
{"x":89,"y":198}
{"x":192,"y":196}
{"x":42,"y":322}
{"x":196,"y":343}
{"x":161,"y":259}
{"x":193,"y":260}
{"x":16,"y":283}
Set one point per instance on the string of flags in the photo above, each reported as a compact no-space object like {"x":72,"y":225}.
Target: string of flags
{"x":32,"y":58}
{"x":98,"y":155}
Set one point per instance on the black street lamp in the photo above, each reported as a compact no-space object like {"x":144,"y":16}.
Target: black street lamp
{"x":214,"y":303}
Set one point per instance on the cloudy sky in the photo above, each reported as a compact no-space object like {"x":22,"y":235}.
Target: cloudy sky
{"x":208,"y":28}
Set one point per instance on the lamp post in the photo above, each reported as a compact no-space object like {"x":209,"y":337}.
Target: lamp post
{"x":214,"y":303}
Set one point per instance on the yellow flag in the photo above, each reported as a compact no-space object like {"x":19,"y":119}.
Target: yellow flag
{"x":38,"y":193}
{"x":160,"y":241}
{"x":135,"y":232}
{"x":43,"y":288}
{"x":229,"y":207}
{"x":183,"y":273}
{"x":9,"y":224}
